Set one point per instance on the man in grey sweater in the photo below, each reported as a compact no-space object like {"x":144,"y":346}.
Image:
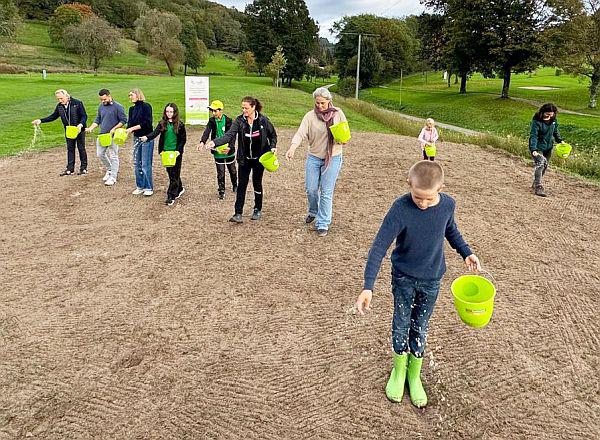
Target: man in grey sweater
{"x":111,"y":115}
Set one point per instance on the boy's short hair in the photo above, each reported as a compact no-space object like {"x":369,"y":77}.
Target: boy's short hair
{"x":103,"y":92}
{"x":426,"y":174}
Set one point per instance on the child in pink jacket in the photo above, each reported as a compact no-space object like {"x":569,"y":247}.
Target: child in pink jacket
{"x":428,"y":136}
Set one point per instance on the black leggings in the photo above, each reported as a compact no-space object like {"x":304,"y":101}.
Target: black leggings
{"x":244,"y":169}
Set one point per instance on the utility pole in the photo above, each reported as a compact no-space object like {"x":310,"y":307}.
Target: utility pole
{"x":360,"y":34}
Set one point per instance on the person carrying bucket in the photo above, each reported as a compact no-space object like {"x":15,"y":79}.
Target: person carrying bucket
{"x":74,"y":118}
{"x":218,"y":124}
{"x":139,"y":122}
{"x":111,"y":115}
{"x":172,"y":138}
{"x":324,"y":161}
{"x":418,"y":221}
{"x":427,"y":139}
{"x":544,"y":130}
{"x":255,"y":137}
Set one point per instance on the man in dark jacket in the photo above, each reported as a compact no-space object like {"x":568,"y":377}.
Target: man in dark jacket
{"x":72,"y":113}
{"x":217,"y":126}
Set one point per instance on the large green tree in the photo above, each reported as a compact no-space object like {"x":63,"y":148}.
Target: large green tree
{"x":285,"y":23}
{"x":393,"y":39}
{"x":94,"y":39}
{"x":575,"y":42}
{"x":195,"y":50}
{"x":158,"y":32}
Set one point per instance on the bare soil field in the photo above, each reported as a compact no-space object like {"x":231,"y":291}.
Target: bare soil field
{"x":121,"y":318}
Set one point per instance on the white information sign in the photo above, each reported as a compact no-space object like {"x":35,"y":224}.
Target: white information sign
{"x":196,"y":100}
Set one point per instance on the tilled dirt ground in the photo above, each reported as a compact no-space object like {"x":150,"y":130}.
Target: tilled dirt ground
{"x":121,"y":318}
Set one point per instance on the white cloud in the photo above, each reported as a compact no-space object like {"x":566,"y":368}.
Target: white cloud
{"x":326,"y":12}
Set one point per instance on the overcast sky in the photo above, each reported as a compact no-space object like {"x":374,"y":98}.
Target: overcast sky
{"x":326,"y":12}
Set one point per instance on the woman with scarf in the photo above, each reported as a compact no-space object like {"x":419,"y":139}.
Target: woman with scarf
{"x":324,"y":160}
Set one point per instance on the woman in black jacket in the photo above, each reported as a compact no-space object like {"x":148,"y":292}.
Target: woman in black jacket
{"x":172,"y":138}
{"x":218,"y":124}
{"x":255,"y":136}
{"x":139,"y":123}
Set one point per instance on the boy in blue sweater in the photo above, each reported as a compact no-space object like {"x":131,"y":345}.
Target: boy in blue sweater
{"x":419,"y":221}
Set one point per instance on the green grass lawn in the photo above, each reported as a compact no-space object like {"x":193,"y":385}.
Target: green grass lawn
{"x":24,"y":98}
{"x":481,"y":108}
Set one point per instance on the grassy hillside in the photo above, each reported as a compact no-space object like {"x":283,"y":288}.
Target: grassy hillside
{"x":33,"y":50}
{"x":481,"y":108}
{"x":27,"y":97}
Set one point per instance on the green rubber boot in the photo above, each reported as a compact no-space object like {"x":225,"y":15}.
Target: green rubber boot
{"x":394,"y":390}
{"x":415,"y":387}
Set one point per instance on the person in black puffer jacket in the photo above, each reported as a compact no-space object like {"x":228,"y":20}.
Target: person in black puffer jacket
{"x":255,"y":137}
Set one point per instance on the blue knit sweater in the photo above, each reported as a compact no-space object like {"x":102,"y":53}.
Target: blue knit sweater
{"x":419,"y":235}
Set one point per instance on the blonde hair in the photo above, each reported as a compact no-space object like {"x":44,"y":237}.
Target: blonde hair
{"x":138,"y":93}
{"x":430,"y":121}
{"x":62,"y":92}
{"x":426,"y":174}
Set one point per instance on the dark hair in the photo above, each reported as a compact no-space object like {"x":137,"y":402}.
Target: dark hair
{"x":103,"y":92}
{"x":165,"y":119}
{"x":253,"y":102}
{"x":546,"y":108}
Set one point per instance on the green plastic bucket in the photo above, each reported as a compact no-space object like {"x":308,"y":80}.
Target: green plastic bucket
{"x":120,"y":136}
{"x":71,"y":131}
{"x":169,"y":158}
{"x":563,"y":150}
{"x":221,"y":148}
{"x":430,"y":150}
{"x":341,"y":132}
{"x":105,"y":139}
{"x":473,"y":299}
{"x":269,"y":161}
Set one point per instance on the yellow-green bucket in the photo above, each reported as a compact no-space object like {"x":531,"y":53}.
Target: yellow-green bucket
{"x":473,"y":299}
{"x":269,"y":161}
{"x":169,"y":158}
{"x":563,"y":150}
{"x":105,"y":139}
{"x":430,"y":150}
{"x":341,"y":132}
{"x":120,"y":136}
{"x":221,"y":148}
{"x":71,"y":131}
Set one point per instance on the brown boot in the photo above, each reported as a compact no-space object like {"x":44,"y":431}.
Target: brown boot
{"x":539,"y":191}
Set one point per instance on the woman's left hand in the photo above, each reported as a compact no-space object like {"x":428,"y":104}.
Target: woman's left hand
{"x":143,"y":138}
{"x":274,"y":150}
{"x":473,"y":263}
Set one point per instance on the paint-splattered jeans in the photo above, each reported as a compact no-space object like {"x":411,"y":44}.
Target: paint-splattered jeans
{"x":414,"y":300}
{"x":541,"y":162}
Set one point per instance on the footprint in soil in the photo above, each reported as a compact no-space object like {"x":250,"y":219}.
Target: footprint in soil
{"x":128,"y":359}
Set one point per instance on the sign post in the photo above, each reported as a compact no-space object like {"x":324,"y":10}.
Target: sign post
{"x":196,"y":100}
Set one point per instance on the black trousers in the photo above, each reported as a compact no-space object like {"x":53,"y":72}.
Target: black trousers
{"x":425,"y":157}
{"x":175,"y":184}
{"x":245,"y":167}
{"x":221,"y":164}
{"x":78,"y":142}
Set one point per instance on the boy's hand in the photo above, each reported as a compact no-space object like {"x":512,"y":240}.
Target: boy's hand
{"x":473,"y":263}
{"x":200,"y":146}
{"x":210,"y":145}
{"x":364,"y":299}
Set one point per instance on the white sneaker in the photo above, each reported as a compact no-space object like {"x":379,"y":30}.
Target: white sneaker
{"x":148,"y":192}
{"x":137,"y":191}
{"x":106,"y":176}
{"x":181,"y":193}
{"x":110,"y":181}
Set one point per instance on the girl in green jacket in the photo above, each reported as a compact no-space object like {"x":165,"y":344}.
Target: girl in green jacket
{"x":544,"y":131}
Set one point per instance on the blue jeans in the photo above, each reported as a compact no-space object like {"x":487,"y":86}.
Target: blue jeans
{"x":142,"y":163}
{"x":414,"y":300}
{"x":320,"y":184}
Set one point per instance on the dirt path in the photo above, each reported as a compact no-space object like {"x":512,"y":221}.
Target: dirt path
{"x":124,"y":319}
